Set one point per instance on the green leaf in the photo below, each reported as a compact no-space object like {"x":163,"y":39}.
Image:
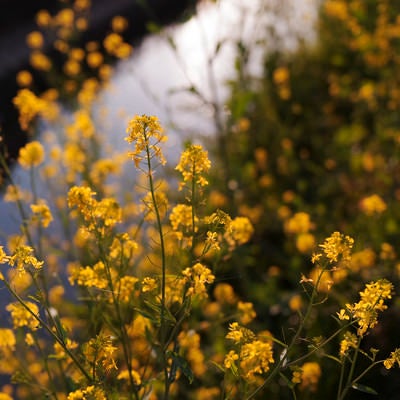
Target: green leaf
{"x":364,"y":389}
{"x":181,"y":363}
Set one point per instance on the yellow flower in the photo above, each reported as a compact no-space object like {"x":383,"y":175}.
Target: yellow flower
{"x":40,"y":61}
{"x":239,"y":231}
{"x":255,"y":358}
{"x":310,"y":374}
{"x":100,"y":350}
{"x":246,"y":311}
{"x":230,"y":359}
{"x":22,"y":317}
{"x":349,"y":341}
{"x":365,"y":312}
{"x":119,"y":24}
{"x":182,"y":221}
{"x":124,"y":374}
{"x":373,"y":205}
{"x":7,"y":339}
{"x":29,"y":106}
{"x":24,"y":78}
{"x":337,"y":246}
{"x":146,"y":133}
{"x":193,"y":164}
{"x":198,"y":276}
{"x":224,"y":293}
{"x":35,"y":40}
{"x":299,"y":223}
{"x":392,"y":359}
{"x":42,"y":213}
{"x":22,"y":257}
{"x":148,"y":284}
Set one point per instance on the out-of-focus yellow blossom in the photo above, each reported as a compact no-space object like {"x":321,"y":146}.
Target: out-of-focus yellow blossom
{"x":305,"y":242}
{"x":94,"y":59}
{"x":43,"y":18}
{"x":124,"y":374}
{"x":29,"y":106}
{"x":77,"y":54}
{"x":24,"y":78}
{"x":146,"y":133}
{"x":65,"y":18}
{"x":81,"y":23}
{"x":308,"y":376}
{"x":322,"y":278}
{"x":7,"y":339}
{"x":338,"y":246}
{"x":349,"y":341}
{"x":100,"y":350}
{"x":208,"y":393}
{"x":239,"y":231}
{"x":115,"y":46}
{"x":5,"y":396}
{"x":387,"y":252}
{"x":119,"y":24}
{"x":89,"y":91}
{"x":246,"y":312}
{"x":35,"y":40}
{"x":71,"y":67}
{"x":149,"y":284}
{"x":89,"y":276}
{"x":365,"y":312}
{"x":190,"y":343}
{"x":392,"y":359}
{"x":125,"y":288}
{"x":22,"y":258}
{"x":181,"y":220}
{"x":295,"y":303}
{"x":198,"y":276}
{"x":281,"y":75}
{"x":336,"y":9}
{"x":21,"y":316}
{"x":55,"y":294}
{"x":82,"y":5}
{"x":362,"y":259}
{"x":224,"y":293}
{"x":82,"y":125}
{"x":40,"y":61}
{"x":89,"y":393}
{"x":373,"y":205}
{"x":193,"y":165}
{"x":60,"y":351}
{"x":299,"y":223}
{"x":42,"y":213}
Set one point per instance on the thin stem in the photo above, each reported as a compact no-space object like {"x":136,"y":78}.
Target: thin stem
{"x":163,"y":332}
{"x":50,"y":331}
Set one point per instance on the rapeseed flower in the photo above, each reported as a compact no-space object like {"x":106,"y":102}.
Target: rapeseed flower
{"x":146,"y":133}
{"x":42,"y":213}
{"x":193,"y":165}
{"x":22,"y":317}
{"x":307,"y":376}
{"x":392,"y":359}
{"x":337,"y":246}
{"x":365,"y":312}
{"x":29,"y":106}
{"x":22,"y":258}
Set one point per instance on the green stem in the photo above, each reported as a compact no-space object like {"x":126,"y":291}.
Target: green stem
{"x":50,"y":331}
{"x":163,"y":330}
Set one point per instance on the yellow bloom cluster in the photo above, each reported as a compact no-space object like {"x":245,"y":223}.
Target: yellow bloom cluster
{"x":7,"y":339}
{"x":373,"y":205}
{"x":198,"y":276}
{"x":22,"y":258}
{"x":146,"y":133}
{"x":89,"y":393}
{"x":181,"y":219}
{"x":307,"y":376}
{"x":337,"y":246}
{"x":239,"y":231}
{"x":31,"y":155}
{"x":29,"y":106}
{"x":349,"y":341}
{"x":42,"y":213}
{"x":392,"y":359}
{"x":365,"y":312}
{"x":255,"y":354}
{"x":22,"y":317}
{"x":193,"y":164}
{"x":100,"y":351}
